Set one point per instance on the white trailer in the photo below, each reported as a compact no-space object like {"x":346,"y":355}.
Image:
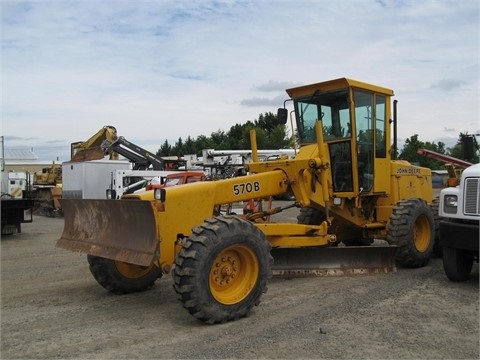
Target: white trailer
{"x":89,"y":179}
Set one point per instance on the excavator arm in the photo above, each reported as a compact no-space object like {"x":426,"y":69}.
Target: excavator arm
{"x":91,"y":148}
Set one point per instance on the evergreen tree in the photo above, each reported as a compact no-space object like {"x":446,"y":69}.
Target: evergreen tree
{"x":178,"y":148}
{"x":270,"y":135}
{"x":189,"y":146}
{"x":165,"y":149}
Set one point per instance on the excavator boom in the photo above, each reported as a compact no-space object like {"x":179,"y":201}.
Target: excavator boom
{"x":91,"y":148}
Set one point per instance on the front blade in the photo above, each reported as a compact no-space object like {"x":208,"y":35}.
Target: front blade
{"x":333,"y":261}
{"x":123,"y":230}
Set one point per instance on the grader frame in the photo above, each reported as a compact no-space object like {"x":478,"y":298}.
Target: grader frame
{"x":347,"y":185}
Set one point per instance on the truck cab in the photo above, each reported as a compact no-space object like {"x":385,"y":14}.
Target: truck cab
{"x":183,"y":177}
{"x":16,"y":201}
{"x":459,"y":209}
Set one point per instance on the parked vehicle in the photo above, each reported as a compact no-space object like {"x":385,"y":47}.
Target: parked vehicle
{"x":459,"y":212}
{"x":348,"y":187}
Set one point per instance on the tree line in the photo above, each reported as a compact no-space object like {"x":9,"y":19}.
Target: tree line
{"x":271,"y":135}
{"x":458,"y":151}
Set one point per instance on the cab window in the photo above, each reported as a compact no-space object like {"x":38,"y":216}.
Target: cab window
{"x":331,"y":108}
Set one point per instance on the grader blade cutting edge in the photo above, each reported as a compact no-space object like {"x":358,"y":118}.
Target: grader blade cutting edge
{"x":122,"y":230}
{"x":333,"y":261}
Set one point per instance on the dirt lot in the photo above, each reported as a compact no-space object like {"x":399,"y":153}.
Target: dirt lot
{"x":51,"y":307}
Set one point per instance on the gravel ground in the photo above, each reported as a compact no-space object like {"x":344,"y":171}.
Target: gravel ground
{"x":51,"y":307}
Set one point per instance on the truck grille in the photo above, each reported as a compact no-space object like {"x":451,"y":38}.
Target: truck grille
{"x":471,"y":205}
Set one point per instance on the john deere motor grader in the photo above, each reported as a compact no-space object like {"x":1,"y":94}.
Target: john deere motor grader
{"x":346,"y":184}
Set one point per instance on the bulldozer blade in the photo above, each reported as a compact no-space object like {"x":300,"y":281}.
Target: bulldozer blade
{"x":332,"y":261}
{"x":122,"y":230}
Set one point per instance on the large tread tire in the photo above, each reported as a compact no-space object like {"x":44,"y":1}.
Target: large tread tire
{"x":457,"y":264}
{"x":222,"y":269}
{"x":122,"y":278}
{"x":412,"y":230}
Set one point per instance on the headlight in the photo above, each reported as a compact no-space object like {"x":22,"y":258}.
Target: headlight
{"x":450,"y":203}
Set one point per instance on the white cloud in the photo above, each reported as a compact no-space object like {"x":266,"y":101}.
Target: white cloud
{"x":167,"y":69}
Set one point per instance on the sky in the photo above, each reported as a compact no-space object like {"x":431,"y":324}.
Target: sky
{"x":169,"y":69}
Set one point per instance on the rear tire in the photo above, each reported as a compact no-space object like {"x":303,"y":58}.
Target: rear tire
{"x":345,"y":234}
{"x":122,"y":278}
{"x":310,"y":216}
{"x":222,"y":269}
{"x":457,"y":264}
{"x":412,"y":230}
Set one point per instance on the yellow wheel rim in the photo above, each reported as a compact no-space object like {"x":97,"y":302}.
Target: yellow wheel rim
{"x":132,"y":271}
{"x":234,"y":274}
{"x":421,"y":233}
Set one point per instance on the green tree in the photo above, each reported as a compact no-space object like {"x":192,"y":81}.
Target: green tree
{"x":262,"y":138}
{"x":189,"y":146}
{"x":457,"y":151}
{"x":267,"y":122}
{"x":236,"y":135}
{"x":219,"y":140}
{"x":178,"y":148}
{"x":279,"y":138}
{"x":202,"y":142}
{"x":270,"y":135}
{"x":409,"y":153}
{"x":165,"y":149}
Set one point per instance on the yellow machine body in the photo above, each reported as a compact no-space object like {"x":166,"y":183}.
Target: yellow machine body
{"x":309,"y":176}
{"x":344,"y":170}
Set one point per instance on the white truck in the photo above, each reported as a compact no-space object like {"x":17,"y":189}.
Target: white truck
{"x":16,"y":201}
{"x":459,"y":211}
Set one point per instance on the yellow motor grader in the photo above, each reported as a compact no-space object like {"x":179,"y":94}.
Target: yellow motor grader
{"x":347,"y":185}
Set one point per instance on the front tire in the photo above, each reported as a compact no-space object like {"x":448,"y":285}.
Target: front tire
{"x":121,"y":277}
{"x":222,"y":269}
{"x":457,"y":263}
{"x":412,"y":230}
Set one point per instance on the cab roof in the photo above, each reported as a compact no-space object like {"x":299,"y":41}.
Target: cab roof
{"x":336,"y":84}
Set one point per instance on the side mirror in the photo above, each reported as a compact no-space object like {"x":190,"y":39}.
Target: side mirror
{"x":282,"y":116}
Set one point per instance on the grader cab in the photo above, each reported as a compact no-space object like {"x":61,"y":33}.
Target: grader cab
{"x":347,"y":187}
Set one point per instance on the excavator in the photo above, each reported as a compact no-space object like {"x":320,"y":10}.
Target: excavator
{"x":353,"y":198}
{"x":91,"y":148}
